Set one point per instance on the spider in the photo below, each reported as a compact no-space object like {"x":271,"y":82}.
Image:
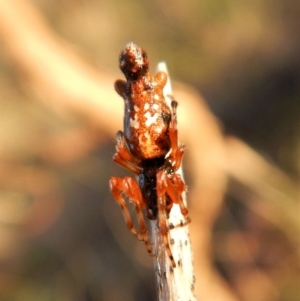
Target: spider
{"x":148,"y":147}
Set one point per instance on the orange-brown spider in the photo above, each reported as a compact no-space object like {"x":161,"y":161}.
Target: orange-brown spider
{"x":148,"y":147}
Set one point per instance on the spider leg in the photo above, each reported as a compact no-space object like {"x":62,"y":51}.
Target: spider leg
{"x":130,"y":188}
{"x":173,"y":187}
{"x":177,"y":150}
{"x":162,"y":222}
{"x":177,"y":181}
{"x":123,"y":155}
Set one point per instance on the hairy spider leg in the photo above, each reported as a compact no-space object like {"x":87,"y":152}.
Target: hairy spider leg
{"x":162,"y":214}
{"x":180,"y":187}
{"x":177,"y":150}
{"x":123,"y":155}
{"x":173,"y":187}
{"x":130,"y":188}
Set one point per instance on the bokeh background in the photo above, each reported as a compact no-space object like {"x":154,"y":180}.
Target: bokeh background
{"x":237,"y":64}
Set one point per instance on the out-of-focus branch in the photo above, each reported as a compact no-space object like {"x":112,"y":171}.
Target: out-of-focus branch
{"x":52,"y":68}
{"x":272,"y":194}
{"x":42,"y":205}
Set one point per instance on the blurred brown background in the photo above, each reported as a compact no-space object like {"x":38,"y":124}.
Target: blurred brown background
{"x":62,"y":236}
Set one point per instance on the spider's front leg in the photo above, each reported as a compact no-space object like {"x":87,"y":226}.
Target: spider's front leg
{"x":130,"y":188}
{"x":123,"y":155}
{"x":177,"y":150}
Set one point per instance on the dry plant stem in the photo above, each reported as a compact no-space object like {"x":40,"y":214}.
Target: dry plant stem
{"x":174,"y":284}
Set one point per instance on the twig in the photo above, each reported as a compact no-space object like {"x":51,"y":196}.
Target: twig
{"x":174,"y":284}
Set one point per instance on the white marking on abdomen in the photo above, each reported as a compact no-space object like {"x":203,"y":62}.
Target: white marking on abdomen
{"x":134,"y":123}
{"x":150,"y":119}
{"x":155,"y":106}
